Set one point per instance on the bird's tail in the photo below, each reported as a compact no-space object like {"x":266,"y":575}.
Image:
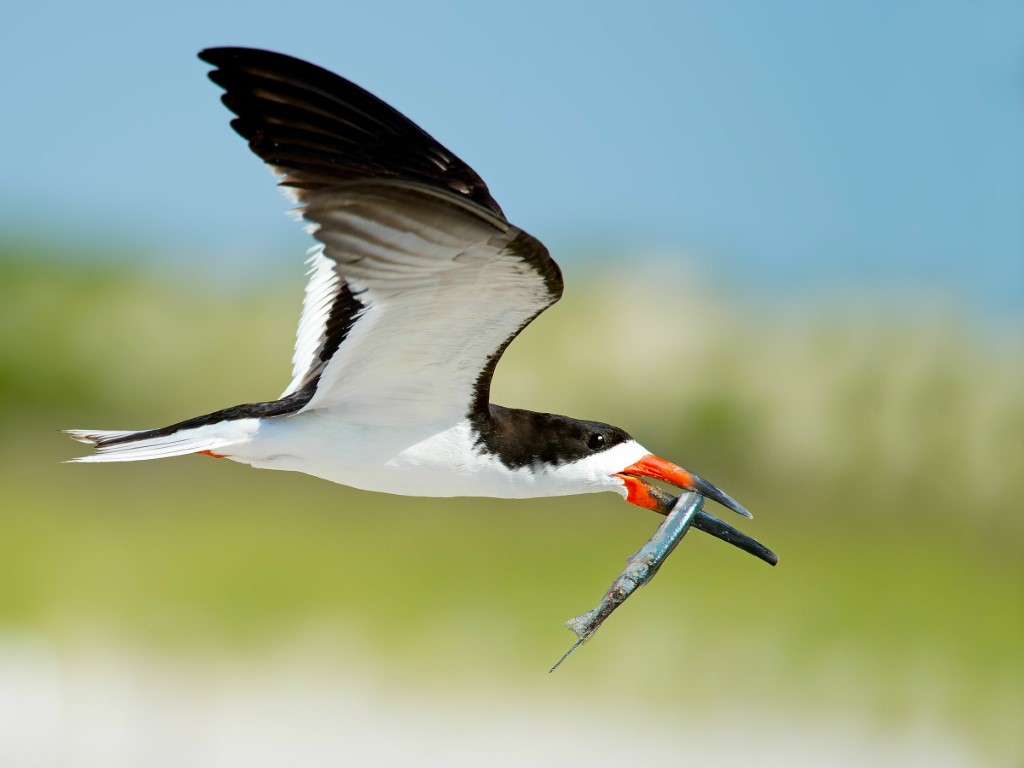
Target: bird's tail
{"x":178,"y":440}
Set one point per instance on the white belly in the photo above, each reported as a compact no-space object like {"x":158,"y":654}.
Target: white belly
{"x":438,"y":460}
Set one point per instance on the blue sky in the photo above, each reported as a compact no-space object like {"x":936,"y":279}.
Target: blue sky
{"x":793,"y":148}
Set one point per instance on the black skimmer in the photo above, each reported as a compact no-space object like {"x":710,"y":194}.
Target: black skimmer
{"x":418,"y":285}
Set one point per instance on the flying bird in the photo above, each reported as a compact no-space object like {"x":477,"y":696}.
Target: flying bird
{"x":416,"y":288}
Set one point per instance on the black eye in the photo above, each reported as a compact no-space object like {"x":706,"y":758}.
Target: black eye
{"x":596,"y":441}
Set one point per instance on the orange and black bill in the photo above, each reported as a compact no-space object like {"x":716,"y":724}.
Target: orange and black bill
{"x":645,"y":494}
{"x":659,"y":469}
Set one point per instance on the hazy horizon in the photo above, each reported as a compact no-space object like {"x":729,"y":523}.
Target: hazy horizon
{"x":795,"y":149}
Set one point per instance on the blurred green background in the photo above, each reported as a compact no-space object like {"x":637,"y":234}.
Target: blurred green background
{"x":881,"y":456}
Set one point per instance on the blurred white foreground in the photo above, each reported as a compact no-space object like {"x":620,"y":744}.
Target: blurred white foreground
{"x":114,"y":708}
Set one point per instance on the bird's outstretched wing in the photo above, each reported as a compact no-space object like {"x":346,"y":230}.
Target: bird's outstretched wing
{"x":420,"y":282}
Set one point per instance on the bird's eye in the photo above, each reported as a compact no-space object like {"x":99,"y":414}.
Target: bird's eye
{"x":596,"y":441}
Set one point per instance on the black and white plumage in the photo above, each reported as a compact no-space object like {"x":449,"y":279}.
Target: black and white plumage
{"x":417,"y":287}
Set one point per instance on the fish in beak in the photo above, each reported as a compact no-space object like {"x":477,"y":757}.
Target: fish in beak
{"x":643,"y":493}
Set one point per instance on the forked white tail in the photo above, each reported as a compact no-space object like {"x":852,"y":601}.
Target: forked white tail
{"x":120,"y":445}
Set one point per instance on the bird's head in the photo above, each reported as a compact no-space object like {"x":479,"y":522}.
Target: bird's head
{"x":586,"y":456}
{"x":631,"y":468}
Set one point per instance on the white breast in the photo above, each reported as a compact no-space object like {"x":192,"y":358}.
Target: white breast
{"x":425,"y":461}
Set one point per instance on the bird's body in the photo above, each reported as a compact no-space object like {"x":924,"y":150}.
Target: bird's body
{"x":431,"y":461}
{"x":417,"y":287}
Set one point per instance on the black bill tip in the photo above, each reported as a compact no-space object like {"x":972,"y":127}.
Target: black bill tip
{"x":706,"y":489}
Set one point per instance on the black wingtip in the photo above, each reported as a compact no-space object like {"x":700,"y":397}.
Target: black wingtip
{"x":219,"y":56}
{"x":318,"y":129}
{"x":223,"y":54}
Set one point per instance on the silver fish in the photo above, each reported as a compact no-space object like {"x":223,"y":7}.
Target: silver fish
{"x":685,"y":510}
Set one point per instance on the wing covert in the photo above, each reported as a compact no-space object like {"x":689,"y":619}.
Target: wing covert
{"x":445,"y":285}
